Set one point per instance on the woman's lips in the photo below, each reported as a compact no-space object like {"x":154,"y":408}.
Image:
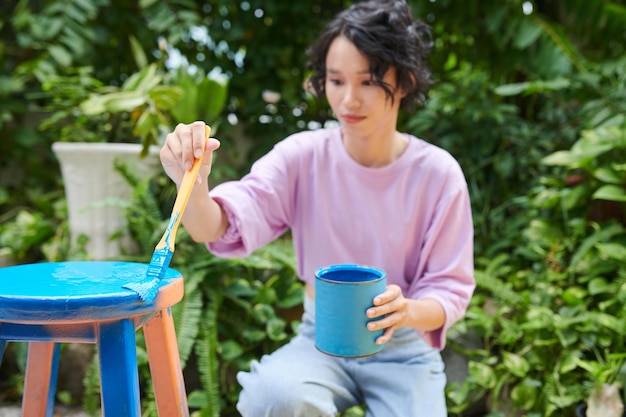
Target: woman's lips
{"x":352,"y":118}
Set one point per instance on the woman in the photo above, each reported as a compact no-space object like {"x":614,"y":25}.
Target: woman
{"x":362,"y":193}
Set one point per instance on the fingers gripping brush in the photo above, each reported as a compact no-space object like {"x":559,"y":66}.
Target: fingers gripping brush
{"x":148,"y":288}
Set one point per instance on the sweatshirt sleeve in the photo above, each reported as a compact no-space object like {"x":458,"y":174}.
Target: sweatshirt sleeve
{"x":448,"y":257}
{"x":258,"y":206}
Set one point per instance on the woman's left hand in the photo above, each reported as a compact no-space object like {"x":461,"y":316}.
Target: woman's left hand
{"x":393,"y":308}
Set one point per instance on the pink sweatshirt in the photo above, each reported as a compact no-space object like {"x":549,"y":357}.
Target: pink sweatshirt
{"x":411,"y":218}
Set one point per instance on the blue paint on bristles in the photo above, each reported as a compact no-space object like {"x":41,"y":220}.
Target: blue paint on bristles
{"x":160,"y":261}
{"x":148,"y":288}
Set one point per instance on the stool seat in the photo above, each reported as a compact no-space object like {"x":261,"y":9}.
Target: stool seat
{"x":79,"y":291}
{"x":85,"y":302}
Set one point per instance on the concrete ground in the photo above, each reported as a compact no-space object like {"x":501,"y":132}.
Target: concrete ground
{"x":60,"y":411}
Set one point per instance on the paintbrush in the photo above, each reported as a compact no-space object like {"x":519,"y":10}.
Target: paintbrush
{"x":148,"y":288}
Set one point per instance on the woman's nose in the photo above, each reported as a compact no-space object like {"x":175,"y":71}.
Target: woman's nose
{"x":352,"y":99}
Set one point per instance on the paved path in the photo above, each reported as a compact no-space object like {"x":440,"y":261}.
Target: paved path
{"x":15,"y":411}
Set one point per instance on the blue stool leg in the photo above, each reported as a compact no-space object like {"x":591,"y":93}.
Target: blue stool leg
{"x":42,"y":369}
{"x":119,"y":379}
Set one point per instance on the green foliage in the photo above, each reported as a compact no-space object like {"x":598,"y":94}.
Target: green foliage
{"x":32,"y":233}
{"x":91,"y":384}
{"x":551,"y":305}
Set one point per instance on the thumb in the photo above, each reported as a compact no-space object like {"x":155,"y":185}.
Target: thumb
{"x":211,"y":145}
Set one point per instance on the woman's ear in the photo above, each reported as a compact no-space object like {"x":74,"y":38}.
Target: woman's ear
{"x":307,"y":85}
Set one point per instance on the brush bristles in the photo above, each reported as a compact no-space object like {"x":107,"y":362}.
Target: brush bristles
{"x":158,"y":264}
{"x":147,"y":290}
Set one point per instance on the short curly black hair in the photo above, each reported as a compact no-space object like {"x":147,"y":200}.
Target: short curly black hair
{"x":386,"y":33}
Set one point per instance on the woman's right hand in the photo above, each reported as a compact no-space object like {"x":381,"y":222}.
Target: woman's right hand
{"x":183,"y":146}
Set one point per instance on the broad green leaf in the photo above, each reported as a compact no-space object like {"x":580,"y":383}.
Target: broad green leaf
{"x":266,"y":295}
{"x":212,"y":95}
{"x":60,"y":55}
{"x":186,"y":108}
{"x":253,"y":335}
{"x":275,"y":328}
{"x":592,"y":144}
{"x":562,"y":158}
{"x":574,"y":295}
{"x":124,"y":101}
{"x":612,"y":250}
{"x":515,"y":364}
{"x":527,"y":34}
{"x":609,"y":175}
{"x":578,"y":156}
{"x":484,"y":375}
{"x":524,"y":396}
{"x":599,"y":286}
{"x":241,"y":288}
{"x":607,"y":320}
{"x":292,"y":298}
{"x":572,"y":197}
{"x":543,"y":232}
{"x":197,"y":399}
{"x":589,"y":242}
{"x":532,"y":87}
{"x":145,"y":123}
{"x":138,"y":53}
{"x":539,"y":318}
{"x":458,"y":393}
{"x":144,"y":4}
{"x":611,"y":193}
{"x":564,"y":401}
{"x":262,"y":313}
{"x":511,"y":89}
{"x":230,"y":349}
{"x":144,"y":80}
{"x":569,"y":362}
{"x":560,"y":40}
{"x":165,"y":97}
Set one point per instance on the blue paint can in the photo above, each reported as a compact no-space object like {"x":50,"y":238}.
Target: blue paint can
{"x":343,"y":293}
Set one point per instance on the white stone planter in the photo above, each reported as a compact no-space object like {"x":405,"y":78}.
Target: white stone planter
{"x":92,"y":185}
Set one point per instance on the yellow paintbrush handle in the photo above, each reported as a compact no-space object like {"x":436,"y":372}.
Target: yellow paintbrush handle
{"x":184,"y":191}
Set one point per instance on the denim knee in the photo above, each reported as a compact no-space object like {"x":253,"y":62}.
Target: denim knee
{"x":282,"y":397}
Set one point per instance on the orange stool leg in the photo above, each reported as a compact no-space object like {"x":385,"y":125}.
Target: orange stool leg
{"x":167,"y":375}
{"x":40,"y":382}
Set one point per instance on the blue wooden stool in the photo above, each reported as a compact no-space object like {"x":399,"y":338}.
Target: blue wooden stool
{"x":84,"y":302}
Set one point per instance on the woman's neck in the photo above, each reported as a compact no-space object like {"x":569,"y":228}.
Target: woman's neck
{"x":375,"y":151}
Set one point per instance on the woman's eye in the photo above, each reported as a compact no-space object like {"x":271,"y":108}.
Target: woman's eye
{"x":335,"y":81}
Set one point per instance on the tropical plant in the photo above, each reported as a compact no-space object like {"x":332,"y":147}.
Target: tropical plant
{"x":551,"y":304}
{"x":147,"y":105}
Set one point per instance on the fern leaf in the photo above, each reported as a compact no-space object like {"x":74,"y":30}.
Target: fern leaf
{"x":498,"y":288}
{"x":187,"y":315}
{"x":208,"y":364}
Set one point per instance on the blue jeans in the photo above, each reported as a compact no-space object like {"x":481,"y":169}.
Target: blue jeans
{"x":406,"y":379}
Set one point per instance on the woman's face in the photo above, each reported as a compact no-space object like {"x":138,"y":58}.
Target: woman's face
{"x":360,"y":105}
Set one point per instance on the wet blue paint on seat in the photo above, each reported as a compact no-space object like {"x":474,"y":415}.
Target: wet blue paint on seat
{"x":68,"y":291}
